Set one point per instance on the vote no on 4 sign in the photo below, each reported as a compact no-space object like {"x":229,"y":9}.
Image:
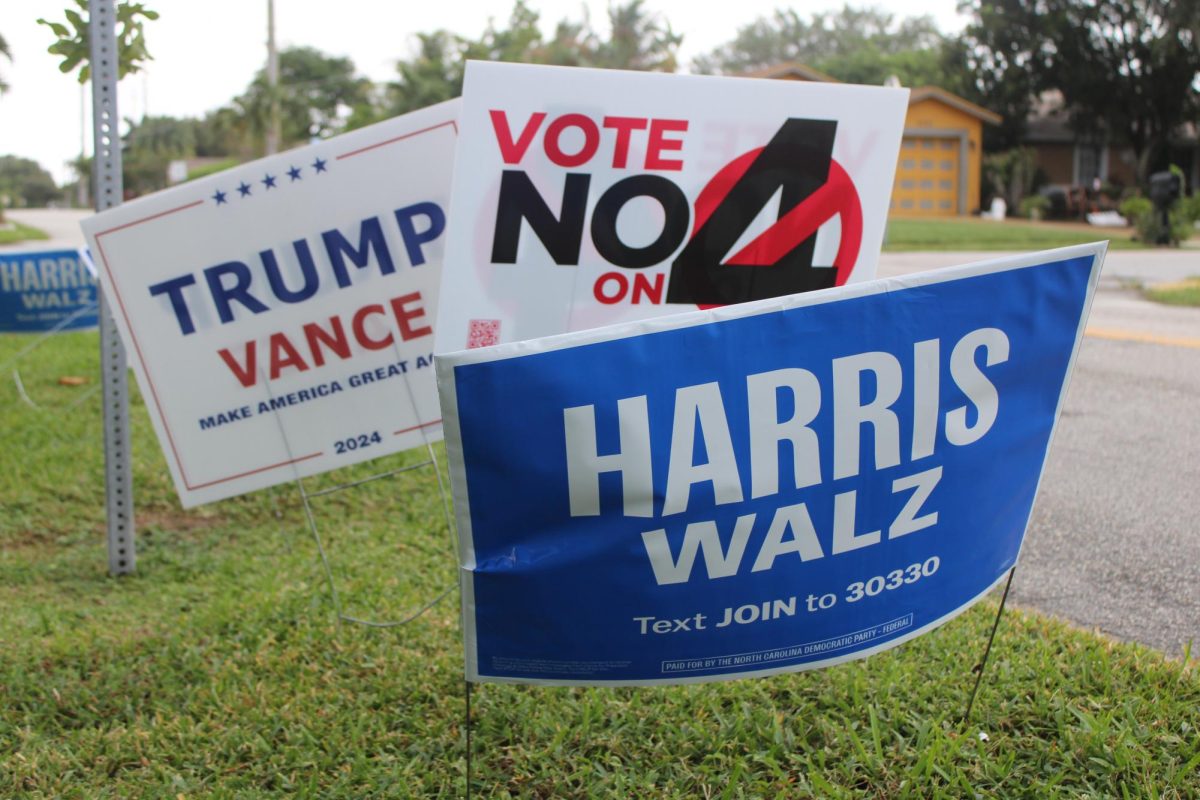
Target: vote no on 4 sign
{"x":664,"y":193}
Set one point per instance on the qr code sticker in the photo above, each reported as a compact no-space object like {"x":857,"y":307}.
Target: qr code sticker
{"x":483,"y":333}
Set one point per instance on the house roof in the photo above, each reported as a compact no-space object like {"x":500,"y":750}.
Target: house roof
{"x":798,"y":71}
{"x":954,"y":101}
{"x":1048,"y":121}
{"x":794,"y":70}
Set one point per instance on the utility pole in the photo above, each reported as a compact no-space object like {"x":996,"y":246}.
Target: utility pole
{"x":273,"y":127}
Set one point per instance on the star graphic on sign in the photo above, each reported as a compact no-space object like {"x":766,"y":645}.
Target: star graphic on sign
{"x":269,"y":181}
{"x":219,"y":197}
{"x":319,"y":165}
{"x":294,"y":173}
{"x":244,"y":188}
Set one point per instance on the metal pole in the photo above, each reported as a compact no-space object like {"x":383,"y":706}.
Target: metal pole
{"x":274,"y":134}
{"x":987,"y":651}
{"x":468,"y":726}
{"x":106,"y":183}
{"x":81,"y":185}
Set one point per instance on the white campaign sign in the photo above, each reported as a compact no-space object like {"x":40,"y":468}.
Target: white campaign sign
{"x":279,"y":315}
{"x":588,"y":197}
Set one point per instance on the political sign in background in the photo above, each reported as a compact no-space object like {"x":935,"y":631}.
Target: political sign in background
{"x":43,"y":290}
{"x":589,"y":197}
{"x":763,"y":488}
{"x":279,"y":315}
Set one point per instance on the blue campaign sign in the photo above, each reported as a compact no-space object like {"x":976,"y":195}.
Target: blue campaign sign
{"x":769,"y":487}
{"x":46,"y":290}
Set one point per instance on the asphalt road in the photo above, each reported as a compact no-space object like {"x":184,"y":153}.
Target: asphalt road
{"x":1113,"y":544}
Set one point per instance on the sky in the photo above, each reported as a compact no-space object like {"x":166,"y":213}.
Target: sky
{"x":206,"y":51}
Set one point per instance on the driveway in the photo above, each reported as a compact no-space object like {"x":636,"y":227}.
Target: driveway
{"x":62,"y":224}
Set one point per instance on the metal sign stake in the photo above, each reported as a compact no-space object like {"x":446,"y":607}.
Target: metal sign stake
{"x":988,"y":650}
{"x":106,"y":181}
{"x":468,"y":731}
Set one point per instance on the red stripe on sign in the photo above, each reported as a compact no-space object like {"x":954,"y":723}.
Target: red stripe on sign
{"x":159,"y":215}
{"x":416,"y":427}
{"x":137,"y":347}
{"x":142,"y":360}
{"x":256,"y":471}
{"x":129,"y":326}
{"x":395,"y":139}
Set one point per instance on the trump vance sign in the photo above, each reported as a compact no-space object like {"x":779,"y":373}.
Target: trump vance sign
{"x":279,"y":316}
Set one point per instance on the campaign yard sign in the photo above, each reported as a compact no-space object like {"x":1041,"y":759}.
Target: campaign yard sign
{"x":44,"y":290}
{"x":764,"y":488}
{"x":279,"y":315}
{"x":590,"y":197}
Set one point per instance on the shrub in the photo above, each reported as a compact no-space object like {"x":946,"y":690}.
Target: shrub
{"x":1035,"y":206}
{"x":1149,"y":223}
{"x":1012,"y":174}
{"x":1133,"y":208}
{"x":1189,"y":207}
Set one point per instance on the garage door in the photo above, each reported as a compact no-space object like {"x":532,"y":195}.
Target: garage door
{"x":927,"y":177}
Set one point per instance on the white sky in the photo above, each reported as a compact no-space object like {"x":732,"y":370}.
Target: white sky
{"x":206,"y":51}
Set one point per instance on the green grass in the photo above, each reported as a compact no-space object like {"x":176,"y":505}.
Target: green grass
{"x":1014,"y":235}
{"x":1180,"y":293}
{"x":218,"y":669}
{"x":20,"y":233}
{"x":212,"y":169}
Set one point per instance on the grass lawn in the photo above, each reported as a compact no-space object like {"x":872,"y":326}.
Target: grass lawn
{"x":218,"y":669}
{"x":19,"y":233}
{"x":1180,"y":293}
{"x":969,"y":233}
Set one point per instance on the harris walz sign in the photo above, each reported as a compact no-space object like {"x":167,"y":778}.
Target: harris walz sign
{"x":44,"y":290}
{"x":763,"y":488}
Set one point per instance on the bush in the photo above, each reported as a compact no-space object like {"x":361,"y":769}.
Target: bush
{"x":1189,"y":207}
{"x":1133,"y":208}
{"x":1035,"y":206}
{"x":1149,"y":223}
{"x":1012,"y":174}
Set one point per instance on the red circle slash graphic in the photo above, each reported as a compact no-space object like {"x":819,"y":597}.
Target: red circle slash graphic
{"x":836,"y":196}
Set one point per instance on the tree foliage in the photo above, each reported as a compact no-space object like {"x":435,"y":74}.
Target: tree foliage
{"x":316,"y":92}
{"x":637,"y":40}
{"x":1126,"y":68}
{"x":864,"y":45}
{"x":150,"y":145}
{"x":73,"y":40}
{"x":433,"y":74}
{"x":23,"y":182}
{"x":223,"y":132}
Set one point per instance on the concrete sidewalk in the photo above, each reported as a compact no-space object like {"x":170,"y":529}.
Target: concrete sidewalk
{"x":62,"y":224}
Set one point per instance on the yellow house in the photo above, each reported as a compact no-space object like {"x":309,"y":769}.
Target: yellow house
{"x":940,"y":154}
